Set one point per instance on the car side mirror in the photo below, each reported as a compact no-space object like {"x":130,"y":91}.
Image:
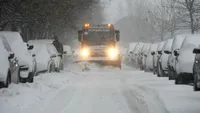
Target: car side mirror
{"x":30,"y":47}
{"x":117,"y":32}
{"x":53,"y":56}
{"x":160,"y":52}
{"x":196,"y":51}
{"x":145,"y":55}
{"x":167,"y":52}
{"x":131,"y":52}
{"x":153,"y":53}
{"x":11,"y":56}
{"x":79,"y":35}
{"x":33,"y":55}
{"x":65,"y":52}
{"x":176,"y":53}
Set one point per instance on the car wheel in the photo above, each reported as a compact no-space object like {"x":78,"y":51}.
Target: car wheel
{"x":170,"y":74}
{"x":179,"y":79}
{"x":50,"y":69}
{"x":158,"y":71}
{"x":8,"y":80}
{"x":196,"y":88}
{"x":16,"y":78}
{"x":30,"y":78}
{"x":154,"y":71}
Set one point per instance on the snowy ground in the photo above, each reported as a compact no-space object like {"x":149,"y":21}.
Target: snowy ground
{"x":99,"y":90}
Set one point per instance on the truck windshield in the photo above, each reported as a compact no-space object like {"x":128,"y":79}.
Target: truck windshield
{"x":98,"y":37}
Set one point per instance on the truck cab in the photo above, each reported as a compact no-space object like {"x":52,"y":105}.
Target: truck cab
{"x":99,"y":44}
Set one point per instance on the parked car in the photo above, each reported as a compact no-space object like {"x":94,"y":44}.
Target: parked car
{"x":136,"y":53}
{"x":144,"y":52}
{"x":196,"y":70}
{"x":162,"y":64}
{"x":48,"y":59}
{"x":158,"y":55}
{"x":9,"y":67}
{"x":185,"y":59}
{"x":150,"y":57}
{"x":129,"y":52}
{"x":25,"y":59}
{"x":177,"y":42}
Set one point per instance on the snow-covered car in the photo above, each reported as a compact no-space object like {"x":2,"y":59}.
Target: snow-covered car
{"x":25,"y":59}
{"x":162,"y":64}
{"x":150,"y":57}
{"x":61,"y":55}
{"x":196,"y":70}
{"x":157,"y":56}
{"x":47,"y":57}
{"x":177,"y":42}
{"x":185,"y":59}
{"x":136,"y":53}
{"x":129,"y":53}
{"x":9,"y":67}
{"x":143,"y":53}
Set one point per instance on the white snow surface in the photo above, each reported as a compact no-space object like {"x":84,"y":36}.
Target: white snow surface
{"x":99,"y":90}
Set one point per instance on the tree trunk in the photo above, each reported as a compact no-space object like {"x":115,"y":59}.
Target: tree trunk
{"x":192,"y":23}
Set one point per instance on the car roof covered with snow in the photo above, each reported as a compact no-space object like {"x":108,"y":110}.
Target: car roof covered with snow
{"x":38,"y":44}
{"x":191,"y":41}
{"x":168,"y":45}
{"x":42,"y":41}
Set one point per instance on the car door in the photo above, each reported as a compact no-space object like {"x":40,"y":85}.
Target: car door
{"x":13,"y":62}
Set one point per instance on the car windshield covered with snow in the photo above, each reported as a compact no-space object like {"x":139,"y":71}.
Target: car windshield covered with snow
{"x":178,"y":40}
{"x":160,"y":46}
{"x":190,"y":42}
{"x":168,"y":44}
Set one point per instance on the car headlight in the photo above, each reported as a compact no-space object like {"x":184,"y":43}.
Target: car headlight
{"x":85,"y":52}
{"x":112,"y":52}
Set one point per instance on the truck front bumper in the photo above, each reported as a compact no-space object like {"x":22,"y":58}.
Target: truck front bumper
{"x":97,"y":59}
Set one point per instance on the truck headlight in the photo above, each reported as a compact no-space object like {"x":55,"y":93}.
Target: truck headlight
{"x":85,"y":52}
{"x":112,"y":52}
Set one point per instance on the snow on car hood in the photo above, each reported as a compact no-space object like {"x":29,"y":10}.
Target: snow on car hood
{"x":19,"y":47}
{"x":42,"y":55}
{"x":4,"y":65}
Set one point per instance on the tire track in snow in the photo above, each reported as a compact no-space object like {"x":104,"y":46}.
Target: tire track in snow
{"x":143,"y":100}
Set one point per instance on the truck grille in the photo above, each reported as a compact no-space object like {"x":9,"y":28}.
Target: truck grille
{"x":98,"y":54}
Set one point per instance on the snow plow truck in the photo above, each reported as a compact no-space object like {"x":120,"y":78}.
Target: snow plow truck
{"x":99,"y":44}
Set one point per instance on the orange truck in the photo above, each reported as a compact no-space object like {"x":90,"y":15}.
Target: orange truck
{"x":99,"y":44}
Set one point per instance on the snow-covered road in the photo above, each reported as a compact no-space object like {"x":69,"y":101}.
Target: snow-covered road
{"x":99,"y":90}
